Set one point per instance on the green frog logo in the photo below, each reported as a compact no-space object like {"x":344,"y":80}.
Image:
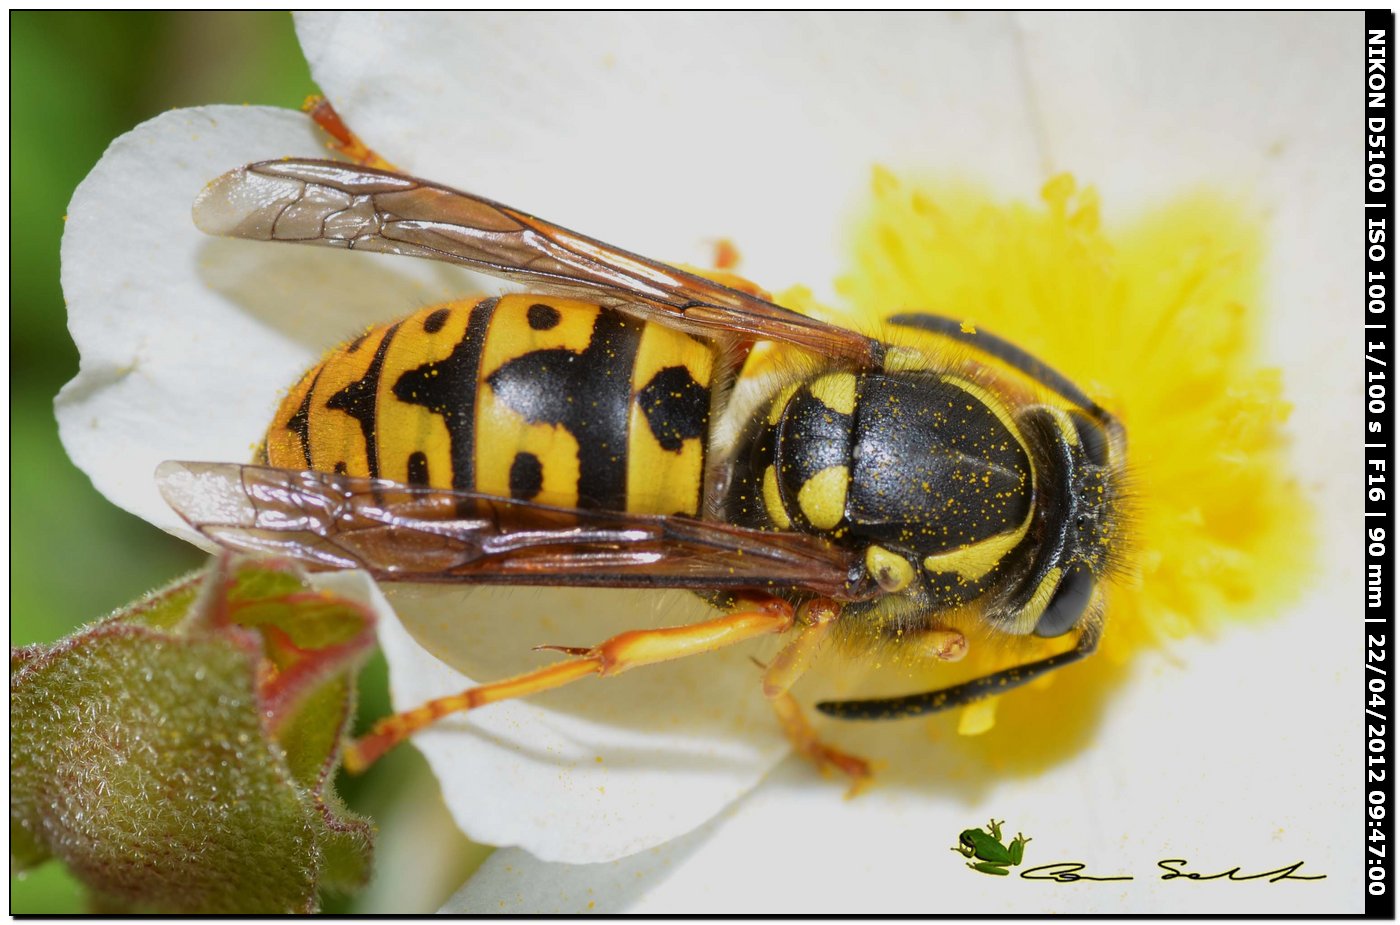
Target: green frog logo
{"x":986,"y":851}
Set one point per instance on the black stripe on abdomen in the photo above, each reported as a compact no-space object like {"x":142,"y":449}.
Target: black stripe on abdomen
{"x":589,"y":394}
{"x":360,"y":399}
{"x":447,"y":387}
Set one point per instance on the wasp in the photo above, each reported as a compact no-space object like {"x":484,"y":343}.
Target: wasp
{"x":609,"y":426}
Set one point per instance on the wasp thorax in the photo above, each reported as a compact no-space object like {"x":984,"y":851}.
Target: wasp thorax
{"x":936,"y":468}
{"x":925,"y":471}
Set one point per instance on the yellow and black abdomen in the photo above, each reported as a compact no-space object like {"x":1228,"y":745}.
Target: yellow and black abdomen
{"x":525,"y":396}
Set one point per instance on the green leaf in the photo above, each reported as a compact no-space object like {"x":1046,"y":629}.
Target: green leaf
{"x":179,"y":755}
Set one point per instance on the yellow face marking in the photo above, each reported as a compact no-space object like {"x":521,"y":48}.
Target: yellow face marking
{"x":661,"y":481}
{"x":773,"y":500}
{"x":892,"y":571}
{"x":822,"y":498}
{"x":975,"y":560}
{"x":1030,"y":615}
{"x":406,"y":428}
{"x":837,"y":391}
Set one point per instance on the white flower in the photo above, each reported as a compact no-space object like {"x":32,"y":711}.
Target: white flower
{"x":661,"y":134}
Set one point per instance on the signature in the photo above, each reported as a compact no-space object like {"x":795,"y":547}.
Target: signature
{"x":1174,"y":869}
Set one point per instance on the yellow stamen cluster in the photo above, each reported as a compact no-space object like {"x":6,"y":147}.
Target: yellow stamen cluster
{"x":1158,"y":320}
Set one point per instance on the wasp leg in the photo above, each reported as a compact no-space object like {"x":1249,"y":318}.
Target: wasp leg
{"x":805,"y":741}
{"x":789,"y":664}
{"x":344,"y":141}
{"x":817,"y":619}
{"x":614,"y":656}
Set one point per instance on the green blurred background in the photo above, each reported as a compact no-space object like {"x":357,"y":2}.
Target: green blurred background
{"x":77,"y":81}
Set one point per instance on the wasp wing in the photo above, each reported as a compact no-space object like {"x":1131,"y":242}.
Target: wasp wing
{"x":402,"y":532}
{"x":344,"y":205}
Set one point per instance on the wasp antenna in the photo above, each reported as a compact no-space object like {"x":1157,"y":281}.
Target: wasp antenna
{"x":958,"y":695}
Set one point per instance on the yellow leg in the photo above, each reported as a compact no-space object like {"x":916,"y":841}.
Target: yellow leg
{"x":804,"y":739}
{"x":346,"y":142}
{"x":783,"y":672}
{"x":616,"y":655}
{"x":791,"y":662}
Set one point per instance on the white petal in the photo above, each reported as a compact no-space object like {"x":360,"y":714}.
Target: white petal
{"x":601,"y":768}
{"x":187,"y":341}
{"x":1204,"y":98}
{"x":662,"y":133}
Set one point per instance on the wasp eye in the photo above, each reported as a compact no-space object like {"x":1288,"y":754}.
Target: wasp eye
{"x":1068,"y":604}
